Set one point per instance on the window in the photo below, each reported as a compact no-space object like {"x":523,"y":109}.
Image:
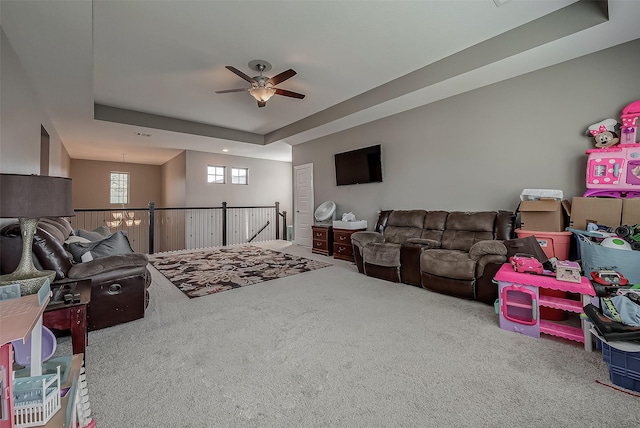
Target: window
{"x":119,"y":190}
{"x":215,"y":174}
{"x":239,"y":175}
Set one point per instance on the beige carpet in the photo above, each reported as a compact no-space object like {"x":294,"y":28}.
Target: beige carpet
{"x":333,"y":348}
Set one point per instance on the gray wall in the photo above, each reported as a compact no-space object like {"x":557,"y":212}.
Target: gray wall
{"x":269,"y":182}
{"x":21,"y":115}
{"x":478,"y":150}
{"x":174,"y":185}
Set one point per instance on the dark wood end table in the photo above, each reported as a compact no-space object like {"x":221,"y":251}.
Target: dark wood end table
{"x":70,"y":316}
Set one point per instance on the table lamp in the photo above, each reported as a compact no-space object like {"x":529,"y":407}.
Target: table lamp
{"x":29,"y":198}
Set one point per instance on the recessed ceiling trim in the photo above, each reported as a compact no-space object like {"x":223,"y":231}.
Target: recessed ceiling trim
{"x":499,"y":3}
{"x":554,"y":26}
{"x":154,"y":121}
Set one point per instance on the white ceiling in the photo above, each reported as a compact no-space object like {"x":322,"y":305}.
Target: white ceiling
{"x":356,"y":61}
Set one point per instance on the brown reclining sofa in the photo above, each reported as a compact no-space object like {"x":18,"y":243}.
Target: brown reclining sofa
{"x":455,"y":253}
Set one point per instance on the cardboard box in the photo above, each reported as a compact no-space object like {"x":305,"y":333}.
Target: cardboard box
{"x":605,"y":211}
{"x":545,"y":215}
{"x":630,"y":211}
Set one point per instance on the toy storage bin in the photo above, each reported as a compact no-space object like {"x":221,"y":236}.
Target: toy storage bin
{"x":594,"y":255}
{"x":624,"y":367}
{"x":554,"y":244}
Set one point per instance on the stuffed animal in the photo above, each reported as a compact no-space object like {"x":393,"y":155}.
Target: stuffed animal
{"x":604,"y":133}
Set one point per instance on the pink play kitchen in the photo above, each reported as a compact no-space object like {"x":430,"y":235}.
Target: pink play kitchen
{"x":614,"y":171}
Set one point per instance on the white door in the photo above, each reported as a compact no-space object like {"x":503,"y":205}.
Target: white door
{"x":303,"y":200}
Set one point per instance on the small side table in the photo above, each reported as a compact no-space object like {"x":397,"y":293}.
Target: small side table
{"x":71,"y":316}
{"x":342,"y":248}
{"x":322,"y":239}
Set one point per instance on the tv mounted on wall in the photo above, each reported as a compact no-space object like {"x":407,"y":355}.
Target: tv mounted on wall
{"x":359,"y":166}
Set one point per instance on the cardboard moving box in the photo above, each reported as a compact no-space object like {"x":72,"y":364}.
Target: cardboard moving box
{"x":630,"y":211}
{"x":604,"y":211}
{"x":544,"y":215}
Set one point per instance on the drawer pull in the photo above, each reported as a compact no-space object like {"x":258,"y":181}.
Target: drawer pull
{"x":114,"y":289}
{"x":342,"y":238}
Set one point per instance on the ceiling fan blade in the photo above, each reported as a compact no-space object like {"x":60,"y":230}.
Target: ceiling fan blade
{"x":239,"y":73}
{"x":262,"y":103}
{"x":232,"y":90}
{"x":286,"y":93}
{"x":279,"y":78}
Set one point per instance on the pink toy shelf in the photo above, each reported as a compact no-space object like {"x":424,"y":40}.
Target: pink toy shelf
{"x":615,"y":171}
{"x":520,"y":301}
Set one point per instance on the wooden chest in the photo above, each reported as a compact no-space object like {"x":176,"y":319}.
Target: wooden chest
{"x":116,"y":302}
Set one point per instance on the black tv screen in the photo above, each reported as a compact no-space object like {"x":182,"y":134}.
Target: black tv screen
{"x":359,"y":166}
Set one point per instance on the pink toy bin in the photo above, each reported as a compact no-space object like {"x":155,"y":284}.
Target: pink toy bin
{"x":554,"y":244}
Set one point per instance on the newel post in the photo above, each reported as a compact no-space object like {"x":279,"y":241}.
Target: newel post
{"x":152,"y":223}
{"x":277,"y":222}
{"x":224,"y":223}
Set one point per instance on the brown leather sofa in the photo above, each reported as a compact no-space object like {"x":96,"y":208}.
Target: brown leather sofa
{"x":455,"y":253}
{"x":118,"y":282}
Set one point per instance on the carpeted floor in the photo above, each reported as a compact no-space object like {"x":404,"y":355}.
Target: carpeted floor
{"x":334,"y":348}
{"x":203,"y":272}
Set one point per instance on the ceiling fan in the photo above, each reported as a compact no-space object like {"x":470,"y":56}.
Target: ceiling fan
{"x":262,"y":87}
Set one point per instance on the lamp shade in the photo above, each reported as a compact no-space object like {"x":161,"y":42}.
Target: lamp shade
{"x":35,"y":196}
{"x":262,"y":93}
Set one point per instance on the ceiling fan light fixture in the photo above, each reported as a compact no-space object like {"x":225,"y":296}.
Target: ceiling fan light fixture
{"x":262,"y":93}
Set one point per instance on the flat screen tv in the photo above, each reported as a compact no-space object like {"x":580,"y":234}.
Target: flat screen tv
{"x":359,"y":166}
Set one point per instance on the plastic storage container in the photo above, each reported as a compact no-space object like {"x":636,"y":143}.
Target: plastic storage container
{"x":594,"y":256}
{"x":554,"y":244}
{"x":624,"y":367}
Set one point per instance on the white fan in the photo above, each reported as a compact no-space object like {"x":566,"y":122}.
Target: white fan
{"x":326,"y":212}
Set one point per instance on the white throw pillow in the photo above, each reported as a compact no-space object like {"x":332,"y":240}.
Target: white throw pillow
{"x":86,"y":257}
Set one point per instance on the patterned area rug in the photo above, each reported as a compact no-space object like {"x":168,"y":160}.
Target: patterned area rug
{"x":214,"y":270}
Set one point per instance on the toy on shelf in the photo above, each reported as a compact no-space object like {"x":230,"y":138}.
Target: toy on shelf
{"x":615,"y":243}
{"x":631,"y":234}
{"x":604,"y":133}
{"x":613,"y":170}
{"x":608,"y":277}
{"x":22,"y":349}
{"x":36,"y":399}
{"x":629,"y":118}
{"x":568,"y":271}
{"x":525,"y":263}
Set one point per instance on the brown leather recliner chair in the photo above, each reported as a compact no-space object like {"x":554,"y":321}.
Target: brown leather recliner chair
{"x":380,"y":253}
{"x":118,"y":282}
{"x":470,"y":253}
